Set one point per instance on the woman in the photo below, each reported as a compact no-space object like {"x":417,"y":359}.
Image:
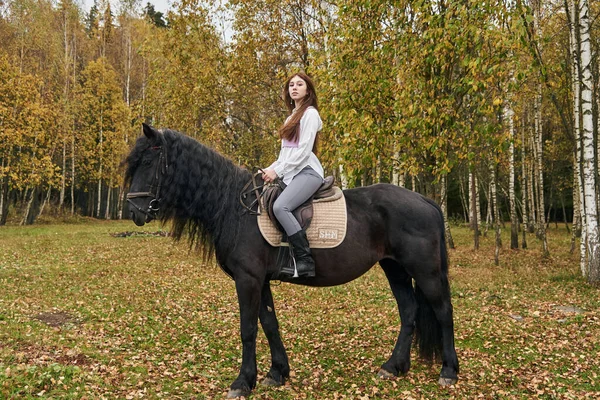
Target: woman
{"x":297,"y":165}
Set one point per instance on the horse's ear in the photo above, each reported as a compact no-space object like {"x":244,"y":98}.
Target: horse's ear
{"x":149,"y":131}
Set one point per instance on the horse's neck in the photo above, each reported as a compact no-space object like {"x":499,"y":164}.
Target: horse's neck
{"x":215,"y":178}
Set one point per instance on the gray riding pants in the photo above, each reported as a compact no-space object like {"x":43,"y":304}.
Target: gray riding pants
{"x":304,"y":185}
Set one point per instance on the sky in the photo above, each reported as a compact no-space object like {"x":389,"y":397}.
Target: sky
{"x":223,"y":25}
{"x":159,"y":5}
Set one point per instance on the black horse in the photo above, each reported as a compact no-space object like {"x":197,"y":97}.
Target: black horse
{"x":175,"y":178}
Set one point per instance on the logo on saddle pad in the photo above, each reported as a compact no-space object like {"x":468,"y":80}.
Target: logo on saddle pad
{"x":328,"y":234}
{"x":327,"y":228}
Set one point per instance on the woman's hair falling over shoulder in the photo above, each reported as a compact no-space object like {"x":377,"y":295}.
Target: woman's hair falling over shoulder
{"x":290,"y":130}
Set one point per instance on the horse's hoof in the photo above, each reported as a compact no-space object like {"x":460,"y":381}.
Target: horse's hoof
{"x":268,"y":381}
{"x":383,"y":374}
{"x":447,"y":381}
{"x":238,"y":393}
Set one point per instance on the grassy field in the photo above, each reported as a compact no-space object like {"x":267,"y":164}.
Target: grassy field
{"x":87,"y":315}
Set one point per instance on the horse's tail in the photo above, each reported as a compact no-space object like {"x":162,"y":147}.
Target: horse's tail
{"x":428,"y":331}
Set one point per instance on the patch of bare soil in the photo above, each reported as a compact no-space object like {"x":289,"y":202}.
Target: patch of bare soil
{"x":56,"y":319}
{"x":132,"y":233}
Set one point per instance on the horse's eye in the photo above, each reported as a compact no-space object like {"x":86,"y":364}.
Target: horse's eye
{"x":146,"y":161}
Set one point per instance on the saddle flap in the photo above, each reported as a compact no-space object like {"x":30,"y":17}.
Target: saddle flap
{"x":304,"y":212}
{"x":327,"y":226}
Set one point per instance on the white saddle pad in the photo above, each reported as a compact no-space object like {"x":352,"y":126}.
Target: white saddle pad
{"x":327,"y":229}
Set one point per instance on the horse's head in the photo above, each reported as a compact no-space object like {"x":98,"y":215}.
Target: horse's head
{"x":146,"y":168}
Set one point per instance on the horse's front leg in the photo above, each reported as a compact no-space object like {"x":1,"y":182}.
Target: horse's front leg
{"x":280,"y":367}
{"x":248,"y":289}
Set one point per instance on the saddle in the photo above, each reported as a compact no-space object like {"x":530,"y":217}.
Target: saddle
{"x":304,"y":213}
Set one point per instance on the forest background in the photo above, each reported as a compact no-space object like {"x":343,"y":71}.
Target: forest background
{"x":490,"y":108}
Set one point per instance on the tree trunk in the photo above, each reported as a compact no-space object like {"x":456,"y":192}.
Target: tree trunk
{"x":524,"y":188}
{"x":343,"y":177}
{"x":4,"y":195}
{"x":29,"y":198}
{"x":474,"y":213}
{"x":577,"y":187}
{"x":531,"y":197}
{"x":541,"y":223}
{"x":396,"y":166}
{"x":444,"y":207}
{"x":464,"y":199}
{"x":514,"y":219}
{"x":46,"y":200}
{"x":488,"y":215}
{"x":493,"y":205}
{"x":120,"y":203}
{"x":73,"y":173}
{"x":63,"y":176}
{"x":591,"y":269}
{"x":107,"y":211}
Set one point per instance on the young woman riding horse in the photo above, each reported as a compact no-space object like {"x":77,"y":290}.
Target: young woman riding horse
{"x":297,"y":165}
{"x":174,"y":178}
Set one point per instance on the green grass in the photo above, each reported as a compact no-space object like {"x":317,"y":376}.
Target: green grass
{"x":145,"y":318}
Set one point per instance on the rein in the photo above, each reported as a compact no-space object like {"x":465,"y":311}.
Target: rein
{"x":263,"y":194}
{"x":247,"y":190}
{"x":154,"y":205}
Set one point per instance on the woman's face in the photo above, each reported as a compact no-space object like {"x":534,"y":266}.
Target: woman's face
{"x":297,"y":89}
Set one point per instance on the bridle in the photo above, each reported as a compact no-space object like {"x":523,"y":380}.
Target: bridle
{"x":155,"y":186}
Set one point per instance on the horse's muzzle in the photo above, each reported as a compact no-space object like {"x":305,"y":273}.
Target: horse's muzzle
{"x":138,"y":218}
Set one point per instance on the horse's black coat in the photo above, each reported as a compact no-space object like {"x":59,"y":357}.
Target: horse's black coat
{"x":398,"y":228}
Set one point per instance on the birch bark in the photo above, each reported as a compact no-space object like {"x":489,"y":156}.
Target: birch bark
{"x":592,"y":259}
{"x":514,"y":219}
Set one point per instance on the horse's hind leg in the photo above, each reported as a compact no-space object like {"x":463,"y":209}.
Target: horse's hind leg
{"x":401,"y":285}
{"x":280,"y":368}
{"x":437,"y":296}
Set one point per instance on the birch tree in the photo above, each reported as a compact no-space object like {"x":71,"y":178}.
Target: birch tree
{"x":590,"y":262}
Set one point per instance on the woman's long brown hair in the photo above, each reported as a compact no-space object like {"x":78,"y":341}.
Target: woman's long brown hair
{"x":291,"y":129}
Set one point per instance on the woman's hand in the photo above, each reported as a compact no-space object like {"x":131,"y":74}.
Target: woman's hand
{"x":269,"y":175}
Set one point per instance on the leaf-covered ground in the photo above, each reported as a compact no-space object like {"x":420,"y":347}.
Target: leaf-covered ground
{"x":86,"y":313}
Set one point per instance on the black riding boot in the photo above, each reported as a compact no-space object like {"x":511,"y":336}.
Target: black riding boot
{"x":305,"y":265}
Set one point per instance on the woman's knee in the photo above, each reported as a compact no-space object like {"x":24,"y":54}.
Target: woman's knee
{"x":280,"y":208}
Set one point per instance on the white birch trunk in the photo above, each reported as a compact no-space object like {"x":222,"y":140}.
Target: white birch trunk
{"x":99,"y":197}
{"x":108,"y":195}
{"x":538,"y":142}
{"x":471,"y":202}
{"x":477,"y":201}
{"x":73,"y":137}
{"x":474,"y":194}
{"x":514,"y":220}
{"x":120,"y":203}
{"x":444,"y":207}
{"x":343,"y":177}
{"x":67,"y":58}
{"x":531,"y":193}
{"x":396,"y":166}
{"x":73,"y":173}
{"x":46,"y":200}
{"x":496,"y":214}
{"x":539,"y":170}
{"x":524,"y":188}
{"x":577,"y":188}
{"x":592,"y":259}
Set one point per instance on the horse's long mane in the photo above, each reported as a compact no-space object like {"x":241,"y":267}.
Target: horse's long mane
{"x":200,"y":194}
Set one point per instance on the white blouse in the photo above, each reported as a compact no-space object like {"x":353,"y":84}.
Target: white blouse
{"x":294,"y":156}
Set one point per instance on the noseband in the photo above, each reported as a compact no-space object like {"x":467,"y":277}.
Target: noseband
{"x":155,"y":185}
